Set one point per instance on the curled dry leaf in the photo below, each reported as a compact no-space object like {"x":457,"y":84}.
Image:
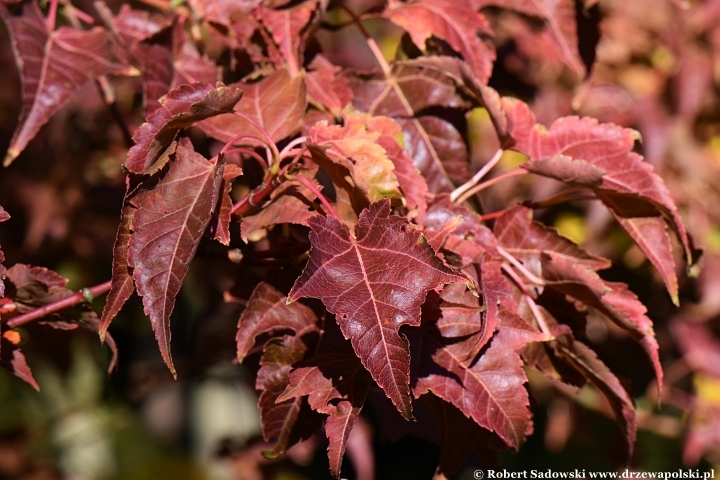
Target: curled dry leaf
{"x":359,"y":279}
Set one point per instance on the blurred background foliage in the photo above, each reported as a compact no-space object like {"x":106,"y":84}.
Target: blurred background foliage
{"x":656,"y":68}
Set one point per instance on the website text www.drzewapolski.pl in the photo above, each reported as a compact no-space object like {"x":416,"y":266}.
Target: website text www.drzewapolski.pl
{"x":577,"y":473}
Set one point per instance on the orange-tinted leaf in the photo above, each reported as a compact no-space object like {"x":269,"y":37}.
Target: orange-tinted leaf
{"x":359,"y":279}
{"x":53,"y":66}
{"x":326,"y":88}
{"x":172,"y":215}
{"x":454,"y":21}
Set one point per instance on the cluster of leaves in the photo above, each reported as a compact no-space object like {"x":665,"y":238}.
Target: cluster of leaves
{"x":420,"y":298}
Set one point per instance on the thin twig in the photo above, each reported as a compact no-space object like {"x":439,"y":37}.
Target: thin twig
{"x":514,"y":261}
{"x":288,"y":151}
{"x":379,"y":57}
{"x":492,"y":181}
{"x":250,"y":152}
{"x":109,"y":98}
{"x":317,"y":193}
{"x":528,"y":296}
{"x":52,"y":15}
{"x":477,"y":177}
{"x":270,"y":142}
{"x":67,"y":302}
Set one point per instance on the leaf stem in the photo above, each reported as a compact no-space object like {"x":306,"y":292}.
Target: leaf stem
{"x":514,"y":261}
{"x":379,"y":57}
{"x":492,"y":181}
{"x":477,"y":177}
{"x":108,"y":95}
{"x":52,"y":15}
{"x":542,"y":325}
{"x":67,"y":302}
{"x":288,"y":150}
{"x":250,"y":152}
{"x":270,"y":142}
{"x":319,"y":195}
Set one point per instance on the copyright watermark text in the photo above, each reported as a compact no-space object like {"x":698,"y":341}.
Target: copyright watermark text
{"x":577,"y":473}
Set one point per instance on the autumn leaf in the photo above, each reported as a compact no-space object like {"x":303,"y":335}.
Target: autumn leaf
{"x":585,"y":361}
{"x":181,"y":108}
{"x":285,"y":422}
{"x":277,"y":103}
{"x":454,"y":21}
{"x":359,"y":279}
{"x":490,"y":391}
{"x":354,"y":146}
{"x":435,"y":145}
{"x":53,"y":66}
{"x":560,"y":25}
{"x":122,"y":285}
{"x":336,"y":385}
{"x":4,"y":216}
{"x":220,"y":222}
{"x":288,"y":29}
{"x":326,"y":88}
{"x":599,"y":156}
{"x":172,"y":215}
{"x":268,"y":311}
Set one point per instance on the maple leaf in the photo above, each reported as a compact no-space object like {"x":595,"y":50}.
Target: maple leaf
{"x":526,"y":240}
{"x":277,"y":103}
{"x":121,"y":286}
{"x":13,"y":360}
{"x":359,"y":279}
{"x":436,"y":147}
{"x":289,"y":421}
{"x":599,"y":156}
{"x":288,"y":28}
{"x":560,"y":25}
{"x":355,"y":147}
{"x":336,"y":385}
{"x":267,"y":311}
{"x":490,"y":391}
{"x":326,"y":88}
{"x":53,"y":66}
{"x":454,"y":21}
{"x":172,"y":215}
{"x":4,"y":216}
{"x":181,"y":108}
{"x":220,"y":222}
{"x":585,"y":361}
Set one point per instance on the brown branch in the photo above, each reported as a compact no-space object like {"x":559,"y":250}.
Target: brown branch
{"x":61,"y":304}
